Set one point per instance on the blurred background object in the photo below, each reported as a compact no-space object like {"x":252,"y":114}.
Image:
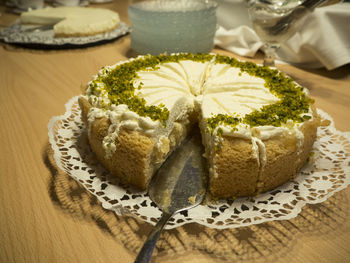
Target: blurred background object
{"x":25,"y":5}
{"x":323,"y":40}
{"x":69,"y":2}
{"x":171,"y":26}
{"x":275,"y":21}
{"x":100,"y":1}
{"x":234,"y":9}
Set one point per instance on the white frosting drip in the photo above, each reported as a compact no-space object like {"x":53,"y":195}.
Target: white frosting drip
{"x":261,"y":151}
{"x":255,"y":149}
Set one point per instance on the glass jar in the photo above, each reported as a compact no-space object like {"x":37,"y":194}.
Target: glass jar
{"x":172,"y":26}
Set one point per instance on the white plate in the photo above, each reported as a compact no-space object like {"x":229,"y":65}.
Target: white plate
{"x":14,"y":34}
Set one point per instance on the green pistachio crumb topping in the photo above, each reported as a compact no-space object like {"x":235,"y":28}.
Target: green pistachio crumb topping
{"x":120,"y":88}
{"x":222,"y":119}
{"x":293,"y":104}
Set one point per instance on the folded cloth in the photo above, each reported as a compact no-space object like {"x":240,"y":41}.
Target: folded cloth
{"x":241,"y":40}
{"x":322,"y":41}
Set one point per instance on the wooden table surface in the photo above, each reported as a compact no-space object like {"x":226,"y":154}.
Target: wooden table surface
{"x":47,"y":217}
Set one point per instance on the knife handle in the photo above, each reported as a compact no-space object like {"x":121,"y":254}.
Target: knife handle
{"x":146,"y":251}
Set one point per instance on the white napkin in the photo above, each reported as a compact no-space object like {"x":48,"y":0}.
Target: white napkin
{"x":323,"y":40}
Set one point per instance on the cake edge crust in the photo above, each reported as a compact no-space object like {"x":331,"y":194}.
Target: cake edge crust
{"x":238,"y":172}
{"x":137,"y":156}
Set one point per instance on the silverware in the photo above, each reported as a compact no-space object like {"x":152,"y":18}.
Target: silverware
{"x":179,"y":184}
{"x":283,"y":24}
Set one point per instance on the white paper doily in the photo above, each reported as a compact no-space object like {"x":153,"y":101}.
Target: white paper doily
{"x":327,"y":173}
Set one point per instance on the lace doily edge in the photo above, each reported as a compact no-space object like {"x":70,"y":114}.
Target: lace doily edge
{"x":120,"y":211}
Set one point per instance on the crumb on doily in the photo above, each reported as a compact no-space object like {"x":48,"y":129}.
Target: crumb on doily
{"x":192,"y":199}
{"x":325,"y":123}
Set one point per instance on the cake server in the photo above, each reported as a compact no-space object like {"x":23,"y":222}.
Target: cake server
{"x":179,"y":184}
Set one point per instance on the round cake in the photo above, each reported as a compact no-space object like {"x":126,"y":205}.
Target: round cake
{"x":73,"y":21}
{"x":258,"y":125}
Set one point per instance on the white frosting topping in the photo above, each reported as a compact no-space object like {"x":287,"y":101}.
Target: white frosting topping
{"x":171,"y":82}
{"x":73,"y":20}
{"x":229,"y":91}
{"x":205,"y":87}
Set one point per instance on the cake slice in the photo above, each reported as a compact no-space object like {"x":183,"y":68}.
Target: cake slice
{"x":73,"y":21}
